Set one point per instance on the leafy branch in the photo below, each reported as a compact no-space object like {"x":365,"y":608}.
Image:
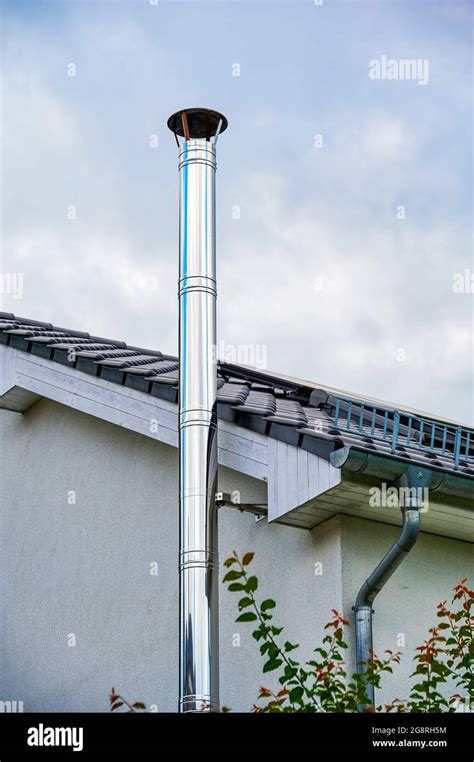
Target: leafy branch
{"x":240,"y":581}
{"x":320,"y":684}
{"x":117,"y":701}
{"x":323,"y":685}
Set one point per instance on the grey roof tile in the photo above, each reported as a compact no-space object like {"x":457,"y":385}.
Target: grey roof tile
{"x":288,"y":413}
{"x":127,"y":360}
{"x":233,"y":393}
{"x":103,"y":354}
{"x":166,"y":378}
{"x":283,"y":408}
{"x":259,"y":403}
{"x":154,"y":368}
{"x":48,"y":337}
{"x":88,"y":350}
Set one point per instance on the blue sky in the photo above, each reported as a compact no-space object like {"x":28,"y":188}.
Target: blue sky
{"x":319,"y":270}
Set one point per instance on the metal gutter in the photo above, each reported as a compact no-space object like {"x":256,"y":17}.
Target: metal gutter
{"x":392,"y":467}
{"x":411,"y":480}
{"x":411,"y":476}
{"x":372,"y":587}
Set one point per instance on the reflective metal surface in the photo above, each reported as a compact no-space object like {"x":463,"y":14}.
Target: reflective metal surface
{"x":198,"y":560}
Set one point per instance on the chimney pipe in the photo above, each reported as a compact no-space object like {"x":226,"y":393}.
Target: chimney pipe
{"x":198,"y":552}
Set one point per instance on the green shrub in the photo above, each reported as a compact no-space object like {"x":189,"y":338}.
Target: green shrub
{"x":323,"y":685}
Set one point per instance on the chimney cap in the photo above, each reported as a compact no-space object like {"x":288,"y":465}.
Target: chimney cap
{"x":200,"y":122}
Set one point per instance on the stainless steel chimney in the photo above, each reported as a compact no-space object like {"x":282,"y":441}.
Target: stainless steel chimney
{"x":198,"y":552}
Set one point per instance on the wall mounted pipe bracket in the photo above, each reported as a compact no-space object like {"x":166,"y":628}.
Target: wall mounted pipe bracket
{"x":232,"y":500}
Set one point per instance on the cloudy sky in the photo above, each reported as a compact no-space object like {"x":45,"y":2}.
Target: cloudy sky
{"x":344,"y":202}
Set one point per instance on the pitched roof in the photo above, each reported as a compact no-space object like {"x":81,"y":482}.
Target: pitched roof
{"x":316,"y":418}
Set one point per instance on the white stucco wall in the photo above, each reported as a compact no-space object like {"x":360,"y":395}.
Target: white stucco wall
{"x":84,"y":569}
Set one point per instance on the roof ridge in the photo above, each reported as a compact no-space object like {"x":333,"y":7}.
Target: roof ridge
{"x":311,"y":393}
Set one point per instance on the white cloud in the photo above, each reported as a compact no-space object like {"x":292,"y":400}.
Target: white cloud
{"x":387,"y":138}
{"x":334,"y":301}
{"x":318,"y":268}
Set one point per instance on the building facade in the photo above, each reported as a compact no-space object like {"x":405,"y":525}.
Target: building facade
{"x":89,"y":521}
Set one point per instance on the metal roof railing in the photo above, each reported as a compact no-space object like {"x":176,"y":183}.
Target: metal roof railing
{"x":401,"y":429}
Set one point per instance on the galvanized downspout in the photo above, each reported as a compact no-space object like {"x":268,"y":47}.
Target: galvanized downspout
{"x":198,"y":551}
{"x":382,"y":573}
